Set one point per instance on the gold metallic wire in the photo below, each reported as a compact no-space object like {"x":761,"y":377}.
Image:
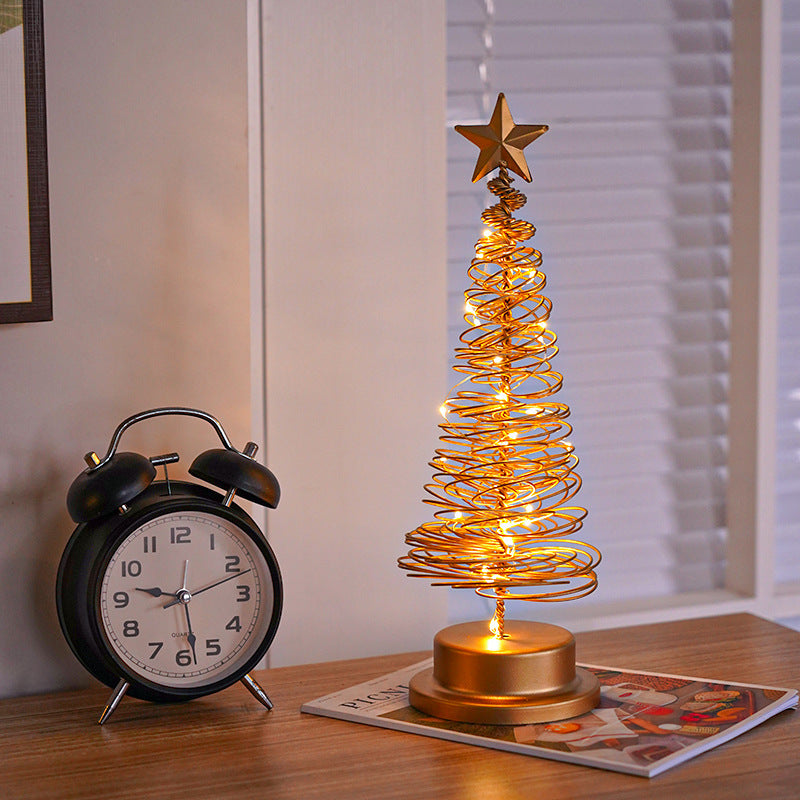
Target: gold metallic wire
{"x":504,"y":474}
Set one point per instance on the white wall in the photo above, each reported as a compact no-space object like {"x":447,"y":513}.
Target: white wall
{"x":356,"y":353}
{"x":147,"y":124}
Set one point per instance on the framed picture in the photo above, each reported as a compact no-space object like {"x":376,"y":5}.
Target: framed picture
{"x":25,"y":286}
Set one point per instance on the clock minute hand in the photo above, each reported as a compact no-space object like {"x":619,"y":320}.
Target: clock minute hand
{"x":191,"y":638}
{"x":185,"y":596}
{"x":206,"y":588}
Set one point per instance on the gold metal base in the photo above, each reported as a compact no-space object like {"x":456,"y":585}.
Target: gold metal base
{"x":528,"y":676}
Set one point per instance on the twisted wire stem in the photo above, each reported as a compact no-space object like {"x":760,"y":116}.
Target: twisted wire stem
{"x":504,"y":474}
{"x":498,"y":626}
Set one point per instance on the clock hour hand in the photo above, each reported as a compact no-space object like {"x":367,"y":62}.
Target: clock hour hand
{"x":155,"y":591}
{"x":206,"y":588}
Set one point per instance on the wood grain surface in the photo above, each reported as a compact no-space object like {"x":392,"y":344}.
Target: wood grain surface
{"x":228,"y":746}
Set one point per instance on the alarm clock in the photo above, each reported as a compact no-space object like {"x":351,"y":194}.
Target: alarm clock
{"x":167,"y":590}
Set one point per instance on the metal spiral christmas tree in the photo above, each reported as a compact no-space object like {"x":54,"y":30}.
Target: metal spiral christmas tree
{"x":505,"y":475}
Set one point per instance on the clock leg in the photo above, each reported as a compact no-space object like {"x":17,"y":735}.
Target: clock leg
{"x":113,"y":701}
{"x":257,"y":691}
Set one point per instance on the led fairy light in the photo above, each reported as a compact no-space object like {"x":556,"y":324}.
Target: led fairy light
{"x":504,"y":478}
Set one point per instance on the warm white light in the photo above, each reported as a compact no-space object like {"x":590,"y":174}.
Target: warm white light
{"x":501,"y":396}
{"x":469,"y":310}
{"x":443,"y":410}
{"x":494,"y":643}
{"x":498,"y":359}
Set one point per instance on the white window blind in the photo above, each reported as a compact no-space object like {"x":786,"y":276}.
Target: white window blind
{"x":787,"y":511}
{"x":630,"y":198}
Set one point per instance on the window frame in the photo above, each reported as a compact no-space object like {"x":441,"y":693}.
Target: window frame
{"x":749,"y":581}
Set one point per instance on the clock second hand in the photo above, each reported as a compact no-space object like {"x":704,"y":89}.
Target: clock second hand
{"x":206,"y":588}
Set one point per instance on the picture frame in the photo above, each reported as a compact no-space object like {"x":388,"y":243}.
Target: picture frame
{"x":25,"y":271}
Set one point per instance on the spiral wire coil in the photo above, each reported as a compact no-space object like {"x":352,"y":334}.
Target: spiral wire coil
{"x":505,"y":470}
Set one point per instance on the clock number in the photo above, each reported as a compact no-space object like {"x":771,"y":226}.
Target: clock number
{"x":183,"y":658}
{"x":232,"y":564}
{"x":212,"y":647}
{"x":211,"y":541}
{"x":234,"y":624}
{"x":157,"y":646}
{"x":130,"y":627}
{"x":131,"y":569}
{"x":244,"y":594}
{"x":121,"y":599}
{"x":149,"y":544}
{"x":179,"y":535}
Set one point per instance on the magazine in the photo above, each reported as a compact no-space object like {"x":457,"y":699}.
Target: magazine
{"x":646,"y":722}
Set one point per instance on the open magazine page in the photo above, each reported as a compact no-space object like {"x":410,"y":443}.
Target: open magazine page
{"x":645,"y":723}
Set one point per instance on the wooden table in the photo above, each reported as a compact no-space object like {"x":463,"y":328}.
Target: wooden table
{"x":228,"y":746}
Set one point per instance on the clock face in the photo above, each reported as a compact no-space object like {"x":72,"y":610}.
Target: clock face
{"x":186,"y":599}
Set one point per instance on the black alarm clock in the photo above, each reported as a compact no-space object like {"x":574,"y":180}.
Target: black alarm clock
{"x":167,"y":590}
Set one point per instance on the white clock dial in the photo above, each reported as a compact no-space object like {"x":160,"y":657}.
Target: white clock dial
{"x":185,"y":599}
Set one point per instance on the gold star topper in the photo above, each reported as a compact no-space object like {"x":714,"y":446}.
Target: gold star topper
{"x":501,"y":141}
